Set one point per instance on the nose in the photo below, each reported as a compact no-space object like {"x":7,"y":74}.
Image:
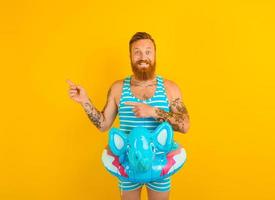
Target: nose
{"x":142,"y":56}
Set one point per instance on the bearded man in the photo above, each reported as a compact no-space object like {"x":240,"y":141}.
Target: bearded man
{"x":152,"y":99}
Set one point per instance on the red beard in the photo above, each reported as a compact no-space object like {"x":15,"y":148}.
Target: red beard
{"x":143,"y":74}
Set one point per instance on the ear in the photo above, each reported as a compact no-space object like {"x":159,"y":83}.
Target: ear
{"x":163,"y":137}
{"x":117,"y":141}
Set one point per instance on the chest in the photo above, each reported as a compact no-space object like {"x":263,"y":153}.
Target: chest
{"x":143,"y":93}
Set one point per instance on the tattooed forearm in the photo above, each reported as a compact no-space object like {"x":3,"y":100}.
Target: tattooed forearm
{"x":96,"y":117}
{"x":178,"y":118}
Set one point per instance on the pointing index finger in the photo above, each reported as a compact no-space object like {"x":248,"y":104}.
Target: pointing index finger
{"x":70,"y":82}
{"x":131,"y":103}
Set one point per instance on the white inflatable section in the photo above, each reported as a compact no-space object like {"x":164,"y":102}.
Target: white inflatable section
{"x":119,"y":143}
{"x":179,"y":159}
{"x":162,"y":137}
{"x":107,"y":160}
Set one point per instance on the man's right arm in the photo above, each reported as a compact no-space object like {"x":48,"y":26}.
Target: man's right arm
{"x":104,"y":119}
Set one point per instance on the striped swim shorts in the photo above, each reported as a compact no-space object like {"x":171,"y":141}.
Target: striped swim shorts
{"x":162,"y":185}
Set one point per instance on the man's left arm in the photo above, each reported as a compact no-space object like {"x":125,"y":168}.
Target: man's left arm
{"x":178,"y":115}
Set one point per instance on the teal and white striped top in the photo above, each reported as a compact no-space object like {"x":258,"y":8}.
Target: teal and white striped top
{"x":127,"y":118}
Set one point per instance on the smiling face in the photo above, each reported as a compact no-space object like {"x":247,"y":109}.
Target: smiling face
{"x":143,"y":59}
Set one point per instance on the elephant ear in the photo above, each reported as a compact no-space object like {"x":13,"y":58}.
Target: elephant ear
{"x":117,"y":141}
{"x":163,"y":137}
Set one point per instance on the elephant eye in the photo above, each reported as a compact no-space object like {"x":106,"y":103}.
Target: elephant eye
{"x":152,"y":147}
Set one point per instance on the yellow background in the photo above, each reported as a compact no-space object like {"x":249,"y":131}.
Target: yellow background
{"x":220,"y":53}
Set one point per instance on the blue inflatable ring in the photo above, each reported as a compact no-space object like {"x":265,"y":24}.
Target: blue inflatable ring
{"x":143,"y":156}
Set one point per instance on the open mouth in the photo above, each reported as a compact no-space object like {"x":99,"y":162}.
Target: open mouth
{"x":143,"y":64}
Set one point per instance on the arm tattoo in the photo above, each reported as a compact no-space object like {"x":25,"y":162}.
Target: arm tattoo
{"x":176,"y":118}
{"x":96,"y":117}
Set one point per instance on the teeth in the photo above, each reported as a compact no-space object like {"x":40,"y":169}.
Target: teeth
{"x":143,"y":64}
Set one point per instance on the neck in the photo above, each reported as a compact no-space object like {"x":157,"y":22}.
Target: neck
{"x":134,"y":78}
{"x":145,"y":83}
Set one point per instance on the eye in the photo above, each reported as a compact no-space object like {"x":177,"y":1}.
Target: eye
{"x":136,"y":52}
{"x":152,"y":147}
{"x":148,"y":52}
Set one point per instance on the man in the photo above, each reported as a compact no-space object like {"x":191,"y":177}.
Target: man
{"x":151,"y":100}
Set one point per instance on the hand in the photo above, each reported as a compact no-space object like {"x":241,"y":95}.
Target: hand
{"x":142,"y":109}
{"x":77,"y":93}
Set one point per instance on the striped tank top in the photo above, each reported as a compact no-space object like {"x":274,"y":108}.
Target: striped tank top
{"x":127,"y":118}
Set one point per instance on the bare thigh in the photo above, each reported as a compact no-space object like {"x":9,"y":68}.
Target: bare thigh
{"x":154,"y":195}
{"x":131,"y":195}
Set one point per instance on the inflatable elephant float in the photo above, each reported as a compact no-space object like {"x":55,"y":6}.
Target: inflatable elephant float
{"x":143,"y":156}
